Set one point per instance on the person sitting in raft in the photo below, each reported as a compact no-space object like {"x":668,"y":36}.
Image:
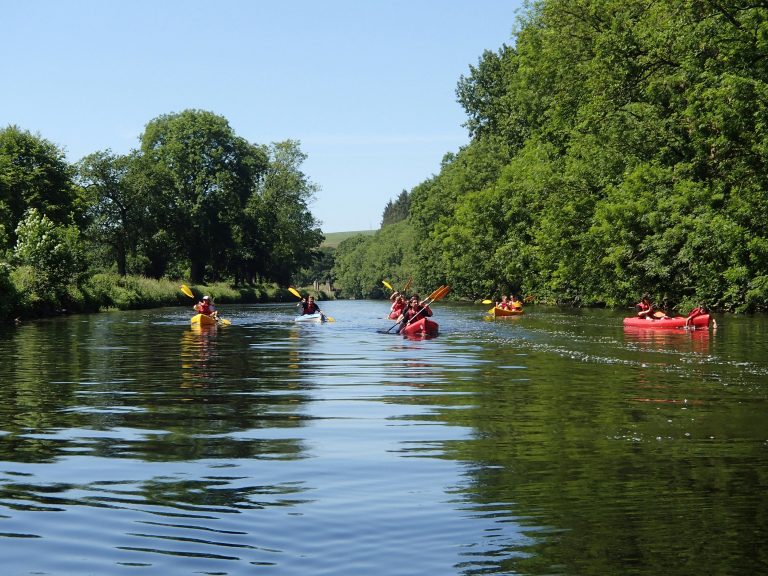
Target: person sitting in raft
{"x":206,"y":307}
{"x":514,"y":303}
{"x":398,"y":305}
{"x":309,"y":306}
{"x":645,"y":309}
{"x":504,"y":304}
{"x":413,"y":312}
{"x":700,"y":310}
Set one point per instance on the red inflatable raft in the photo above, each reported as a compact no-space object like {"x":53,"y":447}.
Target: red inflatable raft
{"x":701,"y":321}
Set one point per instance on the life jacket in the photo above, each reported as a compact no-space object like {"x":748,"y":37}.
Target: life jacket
{"x":204,"y":307}
{"x":310,"y":308}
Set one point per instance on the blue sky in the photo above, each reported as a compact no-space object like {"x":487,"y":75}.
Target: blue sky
{"x":366,"y":86}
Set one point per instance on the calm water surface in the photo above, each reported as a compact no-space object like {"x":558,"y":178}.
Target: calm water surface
{"x":551,"y":443}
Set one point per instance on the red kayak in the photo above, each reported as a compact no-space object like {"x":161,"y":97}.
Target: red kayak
{"x":701,"y":321}
{"x":421,"y":327}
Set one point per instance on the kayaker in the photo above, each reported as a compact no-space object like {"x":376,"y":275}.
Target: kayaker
{"x":504,"y":304}
{"x":206,"y":307}
{"x":700,"y":310}
{"x":414,"y":311}
{"x":398,"y":306}
{"x":645,"y":309}
{"x":309,"y":306}
{"x":514,"y":303}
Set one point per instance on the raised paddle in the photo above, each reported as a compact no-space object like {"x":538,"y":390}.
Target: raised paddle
{"x":187,"y":291}
{"x":434,"y":297}
{"x":387,"y":284}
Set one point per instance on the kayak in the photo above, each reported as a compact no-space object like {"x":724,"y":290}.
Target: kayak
{"x":203,"y":320}
{"x":676,"y":322}
{"x":506,"y":312}
{"x":316,"y":317}
{"x":421,"y":327}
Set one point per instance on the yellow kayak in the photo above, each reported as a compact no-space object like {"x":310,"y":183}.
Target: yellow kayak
{"x":506,"y":312}
{"x":203,"y":320}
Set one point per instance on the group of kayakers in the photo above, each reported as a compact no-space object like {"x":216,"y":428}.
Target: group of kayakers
{"x":406,"y":309}
{"x":647,"y":310}
{"x":510,"y":302}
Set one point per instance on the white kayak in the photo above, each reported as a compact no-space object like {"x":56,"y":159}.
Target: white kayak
{"x":316,"y":317}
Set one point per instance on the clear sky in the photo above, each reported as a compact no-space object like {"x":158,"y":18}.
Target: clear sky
{"x":367,"y":86}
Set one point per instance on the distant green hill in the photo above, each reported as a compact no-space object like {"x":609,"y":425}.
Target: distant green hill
{"x":333,"y":239}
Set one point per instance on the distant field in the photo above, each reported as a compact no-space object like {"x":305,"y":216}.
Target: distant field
{"x":333,"y":239}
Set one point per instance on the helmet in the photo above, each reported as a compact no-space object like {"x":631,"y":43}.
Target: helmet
{"x":206,"y":297}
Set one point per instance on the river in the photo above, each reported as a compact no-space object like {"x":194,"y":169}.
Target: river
{"x":551,"y":443}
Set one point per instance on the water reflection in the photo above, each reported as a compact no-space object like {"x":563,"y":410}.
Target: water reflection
{"x":673,"y":338}
{"x":554,"y":444}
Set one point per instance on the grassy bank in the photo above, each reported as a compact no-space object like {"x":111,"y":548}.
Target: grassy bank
{"x":25,"y":298}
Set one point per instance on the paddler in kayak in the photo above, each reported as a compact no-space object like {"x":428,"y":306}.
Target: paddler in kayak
{"x":413,"y":312}
{"x":206,"y":307}
{"x":700,"y":310}
{"x":309,"y":306}
{"x":646,"y":310}
{"x":398,"y":305}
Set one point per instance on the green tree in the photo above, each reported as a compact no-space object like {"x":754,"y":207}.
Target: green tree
{"x":115,"y":207}
{"x":33,"y":174}
{"x":53,"y":253}
{"x":203,"y":176}
{"x":294,"y":234}
{"x":397,"y":210}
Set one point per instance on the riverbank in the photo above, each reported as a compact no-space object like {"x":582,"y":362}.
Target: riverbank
{"x":110,"y":291}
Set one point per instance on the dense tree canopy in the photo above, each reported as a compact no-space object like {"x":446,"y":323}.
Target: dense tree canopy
{"x":194,"y":201}
{"x":617,"y":147}
{"x":33,"y":174}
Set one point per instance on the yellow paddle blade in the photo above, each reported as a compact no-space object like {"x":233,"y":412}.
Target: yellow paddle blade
{"x":224,"y":322}
{"x":294,"y":292}
{"x":187,"y":291}
{"x":486,"y":301}
{"x":491,"y":310}
{"x":387,"y":284}
{"x":330,"y":319}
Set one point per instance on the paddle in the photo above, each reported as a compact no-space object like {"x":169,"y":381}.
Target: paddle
{"x":435,"y":296}
{"x":407,"y":285}
{"x":296,"y":293}
{"x":387,"y":284}
{"x":187,"y":291}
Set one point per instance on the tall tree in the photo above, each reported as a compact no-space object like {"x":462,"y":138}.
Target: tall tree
{"x":33,"y":174}
{"x":115,"y":207}
{"x":204,"y":176}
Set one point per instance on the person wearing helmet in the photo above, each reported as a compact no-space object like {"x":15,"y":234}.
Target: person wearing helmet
{"x":205,"y":306}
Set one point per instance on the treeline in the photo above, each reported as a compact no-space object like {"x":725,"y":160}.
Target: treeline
{"x":619,"y":147}
{"x":194,"y":201}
